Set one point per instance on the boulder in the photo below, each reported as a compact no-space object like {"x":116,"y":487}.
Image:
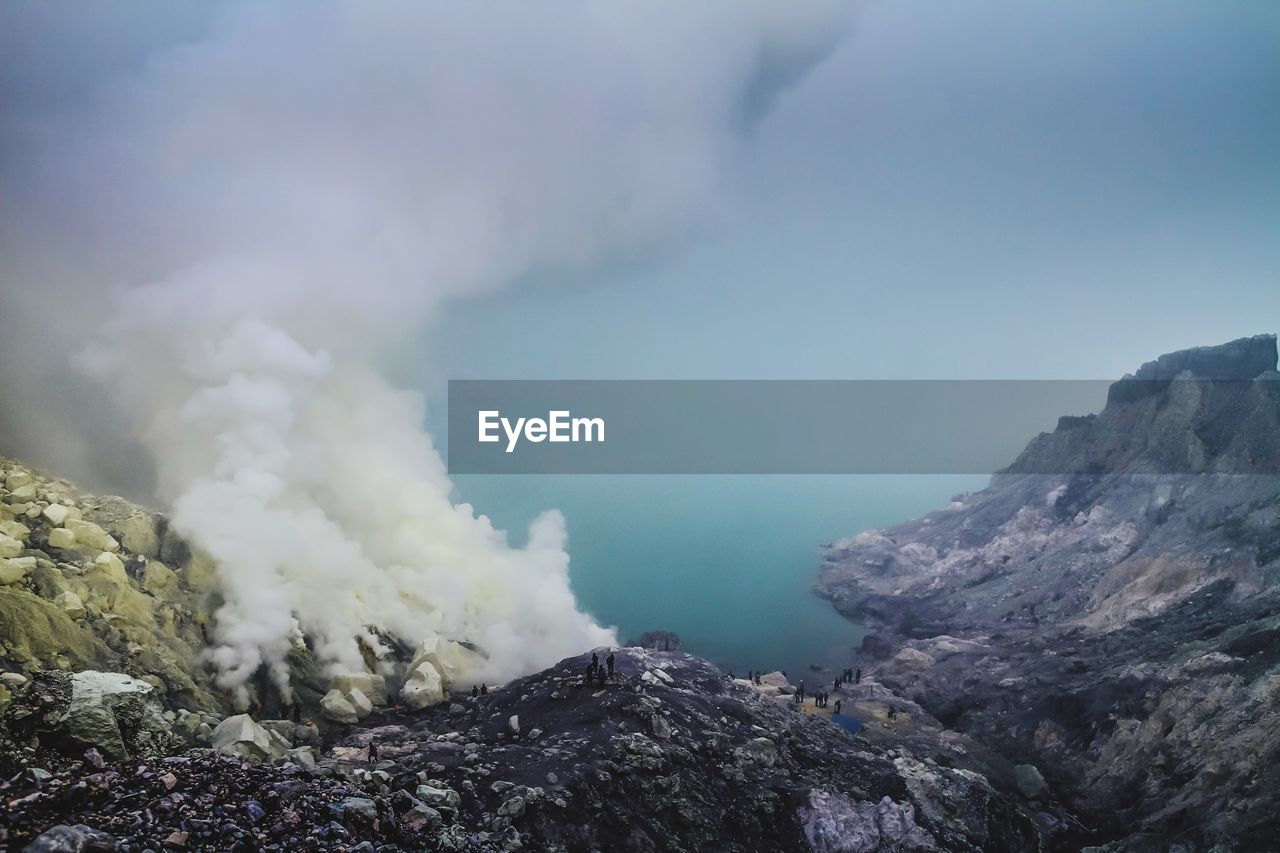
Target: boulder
{"x":759,"y":751}
{"x":138,"y":535}
{"x":15,"y":569}
{"x":16,"y":529}
{"x":55,"y":514}
{"x":372,"y":686}
{"x":912,"y":659}
{"x":836,"y":823}
{"x":439,"y":796}
{"x":91,"y":535}
{"x":303,"y":756}
{"x":61,"y":537}
{"x":113,"y":712}
{"x":71,"y":839}
{"x":21,"y":495}
{"x":423,"y":687}
{"x":1030,"y":783}
{"x":158,"y":579}
{"x":420,"y":818}
{"x":111,"y":565}
{"x":71,"y":603}
{"x":360,"y":702}
{"x":16,"y":480}
{"x":449,"y":658}
{"x":335,"y":706}
{"x":10,"y":547}
{"x":241,"y":736}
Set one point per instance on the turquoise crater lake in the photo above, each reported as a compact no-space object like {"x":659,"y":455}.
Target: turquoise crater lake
{"x":726,"y":562}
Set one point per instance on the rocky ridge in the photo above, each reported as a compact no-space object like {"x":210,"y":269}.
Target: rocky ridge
{"x":1114,"y":625}
{"x":667,"y":754}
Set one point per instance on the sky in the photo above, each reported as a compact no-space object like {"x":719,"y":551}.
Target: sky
{"x":963,"y":190}
{"x":978,"y":189}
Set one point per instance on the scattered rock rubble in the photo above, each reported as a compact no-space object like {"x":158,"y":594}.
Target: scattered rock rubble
{"x":669,"y":754}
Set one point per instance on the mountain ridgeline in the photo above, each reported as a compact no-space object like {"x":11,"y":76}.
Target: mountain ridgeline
{"x":1115,"y":623}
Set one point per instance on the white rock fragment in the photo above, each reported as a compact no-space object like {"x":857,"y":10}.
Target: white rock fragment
{"x":71,"y":603}
{"x":56,"y":514}
{"x":91,"y":535}
{"x":423,"y":687}
{"x":16,"y":529}
{"x":334,"y":706}
{"x":372,"y":686}
{"x":61,"y":537}
{"x":240,"y":735}
{"x":360,"y":702}
{"x":16,"y":480}
{"x":10,"y":547}
{"x":110,"y":564}
{"x":21,"y":495}
{"x":15,"y":569}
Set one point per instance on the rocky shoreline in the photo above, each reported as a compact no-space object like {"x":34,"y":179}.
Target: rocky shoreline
{"x":1115,"y":626}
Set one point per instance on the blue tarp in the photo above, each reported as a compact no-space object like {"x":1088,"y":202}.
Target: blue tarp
{"x":849,"y":724}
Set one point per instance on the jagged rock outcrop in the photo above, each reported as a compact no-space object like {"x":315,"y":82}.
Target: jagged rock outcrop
{"x":92,"y":582}
{"x":580,"y":769}
{"x":98,"y":583}
{"x":117,"y":715}
{"x":1107,"y":611}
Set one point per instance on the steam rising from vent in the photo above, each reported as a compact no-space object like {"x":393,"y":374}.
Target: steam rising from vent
{"x":275,"y":206}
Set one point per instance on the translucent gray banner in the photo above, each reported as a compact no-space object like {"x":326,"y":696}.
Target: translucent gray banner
{"x":850,"y":426}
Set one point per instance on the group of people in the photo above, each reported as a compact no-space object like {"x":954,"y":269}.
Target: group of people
{"x":850,"y":675}
{"x":595,"y":671}
{"x":822,"y":698}
{"x":479,"y":690}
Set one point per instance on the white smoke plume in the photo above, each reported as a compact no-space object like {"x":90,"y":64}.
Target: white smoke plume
{"x":246,"y":228}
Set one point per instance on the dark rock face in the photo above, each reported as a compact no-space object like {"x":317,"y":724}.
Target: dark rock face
{"x":669,"y":754}
{"x":1117,"y":627}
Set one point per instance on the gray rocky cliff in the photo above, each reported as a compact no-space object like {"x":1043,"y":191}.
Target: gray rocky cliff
{"x":1114,"y":624}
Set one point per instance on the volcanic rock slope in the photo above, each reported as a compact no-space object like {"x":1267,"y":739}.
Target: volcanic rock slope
{"x":669,"y":754}
{"x":1108,"y":608}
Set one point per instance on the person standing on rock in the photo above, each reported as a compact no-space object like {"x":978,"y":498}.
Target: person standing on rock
{"x":837,"y":708}
{"x":595,"y":660}
{"x":857,"y":676}
{"x":484,"y":689}
{"x":609,"y":663}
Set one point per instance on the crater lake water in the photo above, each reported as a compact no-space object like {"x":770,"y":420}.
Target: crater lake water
{"x":726,"y":562}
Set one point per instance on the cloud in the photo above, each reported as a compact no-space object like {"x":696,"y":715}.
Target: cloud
{"x":230,"y":241}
